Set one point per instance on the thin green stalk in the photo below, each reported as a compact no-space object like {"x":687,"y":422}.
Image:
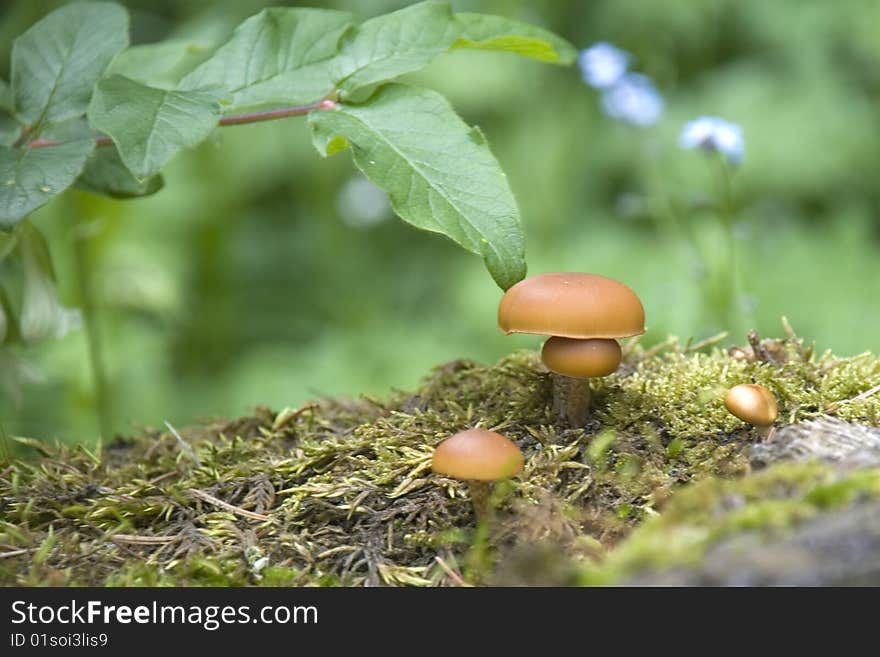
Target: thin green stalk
{"x":103,"y":403}
{"x":5,"y":447}
{"x":724,"y":194}
{"x":666,"y":220}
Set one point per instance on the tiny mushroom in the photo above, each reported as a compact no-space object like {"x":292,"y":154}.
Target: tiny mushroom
{"x":478,"y":457}
{"x":754,"y":404}
{"x":584,"y":315}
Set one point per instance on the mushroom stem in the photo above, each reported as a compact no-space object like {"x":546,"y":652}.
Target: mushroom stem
{"x":480,"y":494}
{"x":572,"y":399}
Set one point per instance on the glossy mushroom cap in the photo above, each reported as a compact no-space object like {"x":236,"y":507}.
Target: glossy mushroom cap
{"x":581,"y":359}
{"x":752,"y":403}
{"x":572,"y":305}
{"x":477,"y":454}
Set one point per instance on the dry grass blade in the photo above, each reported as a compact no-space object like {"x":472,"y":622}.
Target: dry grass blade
{"x":244,"y":513}
{"x":454,"y":576}
{"x":13,"y":553}
{"x":134,"y":539}
{"x":864,"y":395}
{"x":185,"y":446}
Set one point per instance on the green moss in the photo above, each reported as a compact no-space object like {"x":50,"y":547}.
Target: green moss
{"x":700,"y":515}
{"x":341,"y":492}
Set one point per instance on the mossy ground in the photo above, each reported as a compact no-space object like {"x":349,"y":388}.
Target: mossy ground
{"x":341,"y":492}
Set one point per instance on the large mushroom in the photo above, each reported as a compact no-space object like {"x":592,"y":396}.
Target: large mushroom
{"x":584,"y":315}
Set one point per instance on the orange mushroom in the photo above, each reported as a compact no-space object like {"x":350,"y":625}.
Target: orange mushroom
{"x":584,"y":315}
{"x":478,"y":457}
{"x":754,"y":404}
{"x":581,"y":358}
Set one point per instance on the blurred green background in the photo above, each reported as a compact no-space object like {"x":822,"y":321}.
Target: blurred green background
{"x":264,"y":275}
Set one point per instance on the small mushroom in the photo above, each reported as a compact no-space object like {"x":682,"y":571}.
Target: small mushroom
{"x":754,"y":404}
{"x":478,"y":457}
{"x":584,"y":315}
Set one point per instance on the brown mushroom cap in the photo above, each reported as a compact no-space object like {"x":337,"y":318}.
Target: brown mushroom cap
{"x":752,"y":403}
{"x":477,"y":454}
{"x":571,"y":305}
{"x":581,"y":359}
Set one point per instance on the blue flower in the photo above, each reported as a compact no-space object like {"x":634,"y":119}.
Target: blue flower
{"x":602,"y":65}
{"x":633,"y":99}
{"x":712,"y":134}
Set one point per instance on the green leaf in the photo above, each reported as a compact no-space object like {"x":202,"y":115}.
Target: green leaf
{"x":150,"y":126}
{"x":485,"y":32}
{"x":10,"y":128}
{"x":56,"y":63}
{"x":70,"y":130}
{"x":161,"y":64}
{"x":32,"y":240}
{"x":8,"y":241}
{"x":29,"y":178}
{"x":7,"y":101}
{"x":385,"y":47}
{"x":106,"y":174}
{"x":280,"y":56}
{"x":439,"y":172}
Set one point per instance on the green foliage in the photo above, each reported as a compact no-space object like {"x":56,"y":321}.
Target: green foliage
{"x":161,"y":64}
{"x":388,"y":46}
{"x":440,"y":175}
{"x":150,"y":126}
{"x":280,"y":56}
{"x":485,"y":32}
{"x":158,"y":99}
{"x":7,"y":100}
{"x":30,"y":178}
{"x":56,"y":62}
{"x":105,"y":173}
{"x":55,"y":65}
{"x":9,"y":126}
{"x":220,"y":293}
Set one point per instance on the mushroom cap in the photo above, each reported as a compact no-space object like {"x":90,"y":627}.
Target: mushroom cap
{"x":581,"y":359}
{"x":477,"y":454}
{"x":752,"y":403}
{"x":571,"y":305}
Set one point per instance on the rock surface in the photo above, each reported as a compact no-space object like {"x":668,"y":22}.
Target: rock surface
{"x":827,"y":439}
{"x":839,"y":547}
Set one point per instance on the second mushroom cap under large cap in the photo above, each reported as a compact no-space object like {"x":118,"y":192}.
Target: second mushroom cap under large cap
{"x":572,"y":305}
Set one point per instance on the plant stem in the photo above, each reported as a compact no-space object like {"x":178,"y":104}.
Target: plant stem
{"x":730,"y":277}
{"x":5,"y":447}
{"x":270,"y":115}
{"x":93,"y":337}
{"x":733,"y":251}
{"x":234,"y":119}
{"x":666,"y":219}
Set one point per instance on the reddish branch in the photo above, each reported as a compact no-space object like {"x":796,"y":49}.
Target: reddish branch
{"x":235,"y":119}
